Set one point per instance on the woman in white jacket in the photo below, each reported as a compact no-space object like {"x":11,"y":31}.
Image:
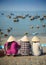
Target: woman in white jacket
{"x":36,"y":47}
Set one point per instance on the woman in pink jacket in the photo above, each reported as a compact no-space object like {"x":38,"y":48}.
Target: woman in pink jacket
{"x":11,"y":46}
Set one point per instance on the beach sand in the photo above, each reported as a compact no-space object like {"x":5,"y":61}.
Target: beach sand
{"x":42,"y":39}
{"x":23,"y":60}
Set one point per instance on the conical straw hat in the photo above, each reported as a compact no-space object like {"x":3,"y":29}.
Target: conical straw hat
{"x":35,"y":38}
{"x":25,"y":39}
{"x":19,"y":40}
{"x":10,"y":39}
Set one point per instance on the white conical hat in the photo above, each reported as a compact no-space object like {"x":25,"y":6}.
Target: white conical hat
{"x":35,"y":38}
{"x":19,"y":40}
{"x":25,"y":39}
{"x":10,"y":39}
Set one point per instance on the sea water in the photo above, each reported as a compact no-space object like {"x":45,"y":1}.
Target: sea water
{"x":24,"y":25}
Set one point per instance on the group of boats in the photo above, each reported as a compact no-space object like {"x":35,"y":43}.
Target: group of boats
{"x":16,"y":18}
{"x":8,"y":30}
{"x":37,"y":26}
{"x":36,"y":17}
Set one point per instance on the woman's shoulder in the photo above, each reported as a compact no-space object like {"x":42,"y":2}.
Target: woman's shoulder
{"x":14,"y":42}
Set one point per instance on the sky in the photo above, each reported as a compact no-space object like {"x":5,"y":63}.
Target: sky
{"x":23,"y":5}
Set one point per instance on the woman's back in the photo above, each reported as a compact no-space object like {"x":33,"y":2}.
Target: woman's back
{"x":25,"y":48}
{"x":36,"y":49}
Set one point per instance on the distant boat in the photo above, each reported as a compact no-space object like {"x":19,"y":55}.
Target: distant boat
{"x":31,"y":27}
{"x":5,"y":35}
{"x":35,"y":33}
{"x":23,"y":17}
{"x":25,"y":33}
{"x":32,"y":18}
{"x":8,"y":30}
{"x":36,"y":17}
{"x":2,"y":13}
{"x":1,"y":33}
{"x":16,"y":20}
{"x":9,"y":16}
{"x":29,"y":16}
{"x":41,"y":18}
{"x":43,"y":25}
{"x":44,"y":16}
{"x":38,"y":26}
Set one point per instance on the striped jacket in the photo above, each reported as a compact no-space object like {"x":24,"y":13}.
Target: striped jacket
{"x":25,"y":48}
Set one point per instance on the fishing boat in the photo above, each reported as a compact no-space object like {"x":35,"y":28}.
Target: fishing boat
{"x":32,"y":18}
{"x":41,"y":18}
{"x":16,"y":20}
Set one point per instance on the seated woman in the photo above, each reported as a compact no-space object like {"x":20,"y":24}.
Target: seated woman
{"x":11,"y":46}
{"x":1,"y":50}
{"x":36,"y":47}
{"x":25,"y":46}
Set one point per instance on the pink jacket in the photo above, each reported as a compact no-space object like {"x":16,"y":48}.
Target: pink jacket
{"x":13,"y":48}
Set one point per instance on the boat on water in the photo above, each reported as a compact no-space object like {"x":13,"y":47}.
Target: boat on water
{"x":9,"y":16}
{"x":37,"y":26}
{"x":16,"y":20}
{"x":42,"y":18}
{"x":22,"y":17}
{"x":43,"y":25}
{"x":35,"y":33}
{"x":32,"y":18}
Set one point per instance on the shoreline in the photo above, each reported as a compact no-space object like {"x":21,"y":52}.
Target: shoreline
{"x":42,"y":38}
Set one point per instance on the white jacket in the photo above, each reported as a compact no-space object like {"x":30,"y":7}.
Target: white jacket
{"x":36,"y":49}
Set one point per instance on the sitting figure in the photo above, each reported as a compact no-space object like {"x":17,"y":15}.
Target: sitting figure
{"x":36,"y":47}
{"x":1,"y":50}
{"x":25,"y":46}
{"x":11,"y":46}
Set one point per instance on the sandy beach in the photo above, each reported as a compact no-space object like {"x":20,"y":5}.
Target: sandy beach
{"x":23,"y":60}
{"x":42,"y":39}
